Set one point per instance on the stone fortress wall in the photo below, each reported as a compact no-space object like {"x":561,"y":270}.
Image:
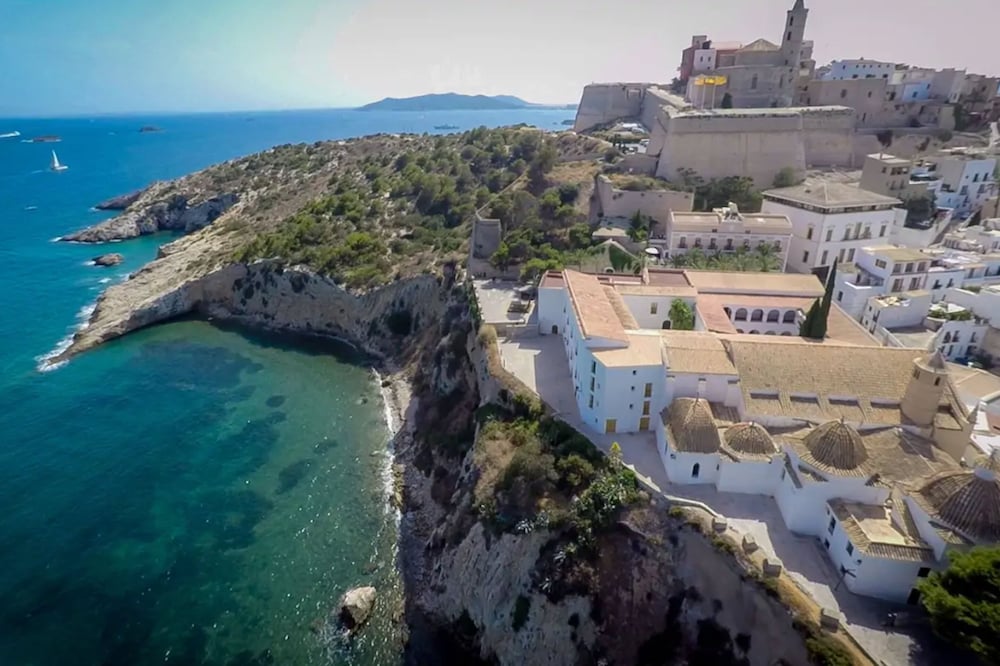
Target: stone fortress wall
{"x":725,"y":142}
{"x":657,"y":204}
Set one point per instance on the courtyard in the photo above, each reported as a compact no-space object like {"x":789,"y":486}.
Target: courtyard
{"x":540,"y":362}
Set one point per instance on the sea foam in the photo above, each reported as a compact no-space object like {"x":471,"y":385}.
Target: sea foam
{"x":83,"y":321}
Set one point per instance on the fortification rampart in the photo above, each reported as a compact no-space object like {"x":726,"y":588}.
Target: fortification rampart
{"x":657,"y":204}
{"x":828,"y":133}
{"x":603,"y":103}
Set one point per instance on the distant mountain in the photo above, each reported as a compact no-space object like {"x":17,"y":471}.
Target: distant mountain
{"x":456,"y":102}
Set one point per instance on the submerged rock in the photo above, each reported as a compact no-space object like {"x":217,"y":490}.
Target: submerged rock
{"x":110,"y":259}
{"x":356,"y":607}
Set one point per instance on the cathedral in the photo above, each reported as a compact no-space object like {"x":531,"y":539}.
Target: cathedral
{"x":760,"y":74}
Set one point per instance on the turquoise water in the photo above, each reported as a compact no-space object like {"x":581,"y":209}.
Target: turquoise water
{"x":187,"y":494}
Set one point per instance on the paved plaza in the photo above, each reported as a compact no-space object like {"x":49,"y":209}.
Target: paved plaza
{"x":495,"y":297}
{"x":540,"y":362}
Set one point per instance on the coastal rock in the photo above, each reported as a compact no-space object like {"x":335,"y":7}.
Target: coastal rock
{"x":110,"y":259}
{"x":121,"y":202}
{"x":179,"y":212}
{"x":356,"y":607}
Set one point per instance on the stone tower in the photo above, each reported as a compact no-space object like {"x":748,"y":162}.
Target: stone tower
{"x":925,"y":389}
{"x":791,"y":48}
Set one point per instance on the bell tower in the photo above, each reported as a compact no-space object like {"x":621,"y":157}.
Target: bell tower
{"x":794,"y":35}
{"x":925,"y":389}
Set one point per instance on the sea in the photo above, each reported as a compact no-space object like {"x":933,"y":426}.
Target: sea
{"x":191,"y":493}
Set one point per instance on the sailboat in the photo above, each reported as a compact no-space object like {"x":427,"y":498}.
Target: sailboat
{"x":55,"y":163}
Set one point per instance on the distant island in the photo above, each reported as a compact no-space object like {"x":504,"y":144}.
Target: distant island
{"x":457,"y":102}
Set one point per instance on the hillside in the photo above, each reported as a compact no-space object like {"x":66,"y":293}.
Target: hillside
{"x":451,"y":102}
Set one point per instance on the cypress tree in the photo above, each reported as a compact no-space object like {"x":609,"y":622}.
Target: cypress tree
{"x":819,"y":325}
{"x":807,"y":325}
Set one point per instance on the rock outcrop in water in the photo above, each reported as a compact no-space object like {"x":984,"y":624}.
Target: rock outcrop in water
{"x":110,"y":259}
{"x":121,"y":202}
{"x":356,"y":607}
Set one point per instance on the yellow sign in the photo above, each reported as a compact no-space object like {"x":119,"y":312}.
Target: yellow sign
{"x":710,"y":81}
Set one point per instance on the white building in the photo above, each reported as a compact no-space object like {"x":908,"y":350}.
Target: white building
{"x":840,"y":70}
{"x":726,"y":230}
{"x":858,"y":444}
{"x":832,"y":221}
{"x":967,"y":182}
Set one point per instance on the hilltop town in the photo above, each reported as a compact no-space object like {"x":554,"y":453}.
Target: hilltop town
{"x":718,"y":364}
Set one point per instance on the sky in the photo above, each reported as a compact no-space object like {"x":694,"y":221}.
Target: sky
{"x":70,"y":57}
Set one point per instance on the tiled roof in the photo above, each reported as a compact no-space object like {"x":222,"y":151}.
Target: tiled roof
{"x":837,"y":448}
{"x":967,"y":501}
{"x":725,"y":282}
{"x":760,"y":45}
{"x":748,"y":441}
{"x":694,"y":352}
{"x":691,"y":426}
{"x":644,"y":349}
{"x":595,"y":314}
{"x":624,"y":315}
{"x":830,"y":195}
{"x":821,"y":382}
{"x":873,"y":531}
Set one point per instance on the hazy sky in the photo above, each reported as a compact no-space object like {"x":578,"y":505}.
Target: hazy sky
{"x":89,"y":56}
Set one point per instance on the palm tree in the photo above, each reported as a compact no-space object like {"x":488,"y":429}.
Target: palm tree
{"x":741,"y":260}
{"x":696,"y":258}
{"x":766,"y":258}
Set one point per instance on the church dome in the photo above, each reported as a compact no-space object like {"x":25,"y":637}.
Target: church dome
{"x":836,"y":447}
{"x":967,"y":501}
{"x":692,"y":426}
{"x":749,"y":439}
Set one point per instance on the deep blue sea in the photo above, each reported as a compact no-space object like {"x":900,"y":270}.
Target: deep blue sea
{"x":188,"y":494}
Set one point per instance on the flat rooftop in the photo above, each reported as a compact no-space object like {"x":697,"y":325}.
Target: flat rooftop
{"x":789,"y":284}
{"x":828,"y":194}
{"x":896,"y":253}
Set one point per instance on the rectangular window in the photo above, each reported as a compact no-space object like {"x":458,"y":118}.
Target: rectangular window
{"x":590,"y":403}
{"x":648,"y":392}
{"x":833,"y":524}
{"x":881,"y":231}
{"x":593,"y":367}
{"x":829,"y":235}
{"x":840,"y":296}
{"x":645,"y":408}
{"x":652,"y":308}
{"x":809,"y":233}
{"x":850,"y":254}
{"x":880,"y":263}
{"x":610,"y":425}
{"x":592,"y":380}
{"x":805,"y":257}
{"x":822,"y":259}
{"x":850,"y":548}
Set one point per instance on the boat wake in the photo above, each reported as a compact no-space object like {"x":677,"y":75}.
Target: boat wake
{"x":83,"y":321}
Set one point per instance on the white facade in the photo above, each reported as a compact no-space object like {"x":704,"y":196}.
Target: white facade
{"x":840,"y":70}
{"x":704,"y":60}
{"x":725,"y":231}
{"x":967,"y":183}
{"x":819,"y":238}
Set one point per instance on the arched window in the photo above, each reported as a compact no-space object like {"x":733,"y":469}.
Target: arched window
{"x":768,"y":332}
{"x":741,"y":315}
{"x":753,"y":82}
{"x":785,"y":333}
{"x":758,"y":315}
{"x":755,"y":332}
{"x":666,"y":324}
{"x":555,"y":330}
{"x":739,"y":330}
{"x":773,"y":316}
{"x":696,"y":470}
{"x":789,"y":317}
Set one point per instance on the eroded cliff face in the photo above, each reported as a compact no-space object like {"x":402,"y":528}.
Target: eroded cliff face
{"x":157,"y":209}
{"x":183,"y":281}
{"x":657,"y":592}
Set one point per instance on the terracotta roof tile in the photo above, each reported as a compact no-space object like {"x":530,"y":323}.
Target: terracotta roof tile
{"x":691,"y":426}
{"x":595,"y":314}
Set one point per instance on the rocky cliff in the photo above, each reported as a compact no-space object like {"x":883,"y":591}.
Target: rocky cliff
{"x":656,"y":592}
{"x":156,"y":210}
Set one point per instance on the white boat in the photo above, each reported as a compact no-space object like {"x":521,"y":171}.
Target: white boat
{"x":55,"y":163}
{"x":10,"y":135}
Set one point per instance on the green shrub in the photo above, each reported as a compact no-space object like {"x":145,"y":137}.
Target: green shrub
{"x":574,"y":471}
{"x":826,"y":651}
